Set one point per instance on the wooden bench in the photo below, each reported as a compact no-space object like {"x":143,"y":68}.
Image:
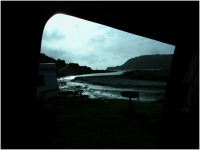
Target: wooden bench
{"x":130,"y":95}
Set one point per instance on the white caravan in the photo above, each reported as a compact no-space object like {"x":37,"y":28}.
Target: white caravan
{"x":47,"y":86}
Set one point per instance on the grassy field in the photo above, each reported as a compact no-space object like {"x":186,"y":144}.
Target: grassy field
{"x":88,"y":126}
{"x":155,"y":75}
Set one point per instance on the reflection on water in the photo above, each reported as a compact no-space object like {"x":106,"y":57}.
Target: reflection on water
{"x":105,"y":92}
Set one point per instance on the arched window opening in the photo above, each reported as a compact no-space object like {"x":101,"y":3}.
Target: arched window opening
{"x":104,"y":62}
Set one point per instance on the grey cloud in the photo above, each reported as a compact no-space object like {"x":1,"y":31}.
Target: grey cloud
{"x":54,"y":35}
{"x":88,"y":58}
{"x":76,"y":26}
{"x":101,"y":27}
{"x":57,"y":34}
{"x":150,"y":41}
{"x":99,"y":38}
{"x":140,"y":43}
{"x":129,"y":46}
{"x":97,"y":43}
{"x":110,"y":33}
{"x":45,"y":35}
{"x":102,"y":60}
{"x":114,"y":58}
{"x":57,"y":53}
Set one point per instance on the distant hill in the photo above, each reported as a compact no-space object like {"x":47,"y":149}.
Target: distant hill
{"x":146,"y":62}
{"x":64,"y":69}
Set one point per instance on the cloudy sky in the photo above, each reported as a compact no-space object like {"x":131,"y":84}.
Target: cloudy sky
{"x":94,"y":45}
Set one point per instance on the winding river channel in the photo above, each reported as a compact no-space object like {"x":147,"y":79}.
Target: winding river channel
{"x":147,"y":92}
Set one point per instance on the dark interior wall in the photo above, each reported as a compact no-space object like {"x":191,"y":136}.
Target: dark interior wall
{"x":172,"y":23}
{"x":173,"y":132}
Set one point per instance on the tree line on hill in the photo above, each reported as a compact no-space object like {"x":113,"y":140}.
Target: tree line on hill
{"x":64,"y":69}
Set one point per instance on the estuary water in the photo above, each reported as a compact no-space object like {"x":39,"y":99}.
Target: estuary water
{"x":69,"y":78}
{"x":106,"y":92}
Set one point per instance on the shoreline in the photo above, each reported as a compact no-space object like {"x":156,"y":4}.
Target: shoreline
{"x":118,"y":82}
{"x":111,"y":86}
{"x":75,"y":72}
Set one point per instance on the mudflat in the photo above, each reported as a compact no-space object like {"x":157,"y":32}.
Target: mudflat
{"x":119,"y":82}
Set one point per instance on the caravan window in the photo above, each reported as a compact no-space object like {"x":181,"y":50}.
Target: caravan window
{"x":41,"y":80}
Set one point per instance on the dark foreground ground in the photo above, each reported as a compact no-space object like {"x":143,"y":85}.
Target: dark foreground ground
{"x":89,"y":126}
